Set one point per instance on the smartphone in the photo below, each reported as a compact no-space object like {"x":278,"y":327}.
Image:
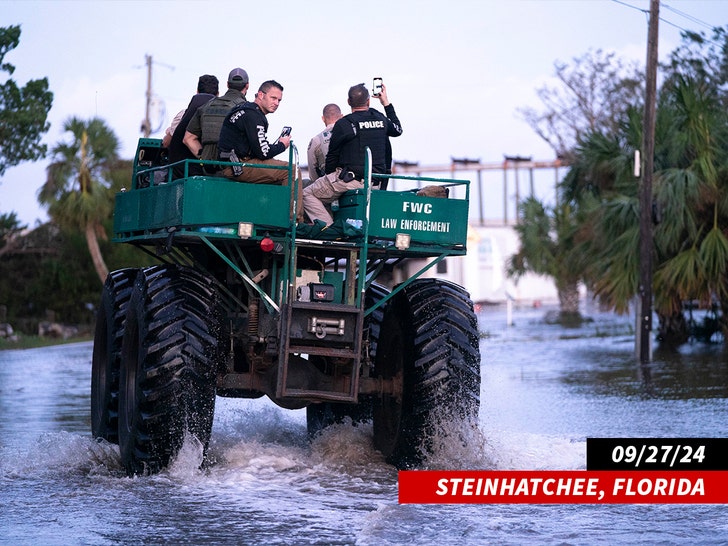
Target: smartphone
{"x":377,"y":87}
{"x":285,"y":132}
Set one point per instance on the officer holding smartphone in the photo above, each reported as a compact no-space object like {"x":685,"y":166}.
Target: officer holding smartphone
{"x":243,"y":139}
{"x":377,"y":85}
{"x":363,"y":127}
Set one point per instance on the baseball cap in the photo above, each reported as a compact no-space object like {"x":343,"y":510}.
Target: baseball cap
{"x":238,"y":75}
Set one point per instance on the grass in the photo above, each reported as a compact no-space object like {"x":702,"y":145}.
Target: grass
{"x":33,"y":342}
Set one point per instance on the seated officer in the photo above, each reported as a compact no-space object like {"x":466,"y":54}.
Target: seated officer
{"x":243,"y":140}
{"x":203,"y":130}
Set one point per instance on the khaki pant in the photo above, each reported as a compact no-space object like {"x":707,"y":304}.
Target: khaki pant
{"x":322,"y":192}
{"x":279,"y":177}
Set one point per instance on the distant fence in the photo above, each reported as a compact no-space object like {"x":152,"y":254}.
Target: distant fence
{"x":498,"y":187}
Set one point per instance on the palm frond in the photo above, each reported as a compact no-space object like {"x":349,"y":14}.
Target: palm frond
{"x":714,"y":257}
{"x":682,"y":274}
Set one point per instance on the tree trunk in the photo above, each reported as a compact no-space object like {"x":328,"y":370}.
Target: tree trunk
{"x":93,"y":247}
{"x":568,"y":297}
{"x":568,"y":292}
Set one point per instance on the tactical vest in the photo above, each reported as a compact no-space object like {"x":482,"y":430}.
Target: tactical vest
{"x":213,"y":114}
{"x":373,"y":137}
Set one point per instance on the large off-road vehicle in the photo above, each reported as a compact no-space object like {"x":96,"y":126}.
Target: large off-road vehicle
{"x":247,"y":303}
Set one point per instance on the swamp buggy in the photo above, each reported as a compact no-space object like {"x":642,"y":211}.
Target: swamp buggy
{"x":246,"y":303}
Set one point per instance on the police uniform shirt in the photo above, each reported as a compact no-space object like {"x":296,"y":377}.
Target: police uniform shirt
{"x":317,"y":150}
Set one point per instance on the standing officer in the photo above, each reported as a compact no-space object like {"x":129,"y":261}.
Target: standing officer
{"x":345,"y":160}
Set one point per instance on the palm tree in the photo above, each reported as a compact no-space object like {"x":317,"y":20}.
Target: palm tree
{"x":10,"y":228}
{"x":690,"y":194}
{"x":692,"y":245}
{"x":547,"y":247}
{"x":76,"y":190}
{"x":600,"y":184}
{"x":690,"y":186}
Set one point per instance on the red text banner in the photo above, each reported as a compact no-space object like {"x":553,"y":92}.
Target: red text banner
{"x":562,"y":487}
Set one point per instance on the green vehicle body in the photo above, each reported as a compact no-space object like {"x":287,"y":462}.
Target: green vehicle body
{"x":297,"y":319}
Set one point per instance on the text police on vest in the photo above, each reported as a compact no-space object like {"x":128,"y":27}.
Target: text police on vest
{"x":371,"y":125}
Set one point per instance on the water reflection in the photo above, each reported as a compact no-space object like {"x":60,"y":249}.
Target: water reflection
{"x":695,"y":371}
{"x":597,"y":357}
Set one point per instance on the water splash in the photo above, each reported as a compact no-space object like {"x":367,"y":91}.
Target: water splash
{"x":346,"y":444}
{"x":61,"y":453}
{"x":457,"y":444}
{"x":189,"y":460}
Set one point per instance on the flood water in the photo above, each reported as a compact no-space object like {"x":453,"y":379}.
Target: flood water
{"x":545,"y":390}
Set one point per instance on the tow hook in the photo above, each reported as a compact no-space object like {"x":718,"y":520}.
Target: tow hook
{"x":321,"y":327}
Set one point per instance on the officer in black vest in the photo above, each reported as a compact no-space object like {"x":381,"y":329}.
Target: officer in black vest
{"x":203,"y":130}
{"x":364,"y":127}
{"x":207,"y":89}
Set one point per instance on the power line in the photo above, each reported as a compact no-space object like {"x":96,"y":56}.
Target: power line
{"x":630,"y":6}
{"x":677,"y":12}
{"x":688,"y":16}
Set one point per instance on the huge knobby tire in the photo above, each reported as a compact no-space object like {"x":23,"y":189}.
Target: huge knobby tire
{"x":168,"y":366}
{"x":429,"y":343}
{"x":319,"y":416}
{"x":106,"y":354}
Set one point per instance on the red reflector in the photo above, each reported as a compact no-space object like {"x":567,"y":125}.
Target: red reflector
{"x":267,"y":244}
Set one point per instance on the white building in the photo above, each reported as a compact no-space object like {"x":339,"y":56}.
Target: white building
{"x":483,"y":270}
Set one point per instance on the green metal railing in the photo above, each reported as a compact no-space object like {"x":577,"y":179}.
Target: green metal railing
{"x":365,"y":273}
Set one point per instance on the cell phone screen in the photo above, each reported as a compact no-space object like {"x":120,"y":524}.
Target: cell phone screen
{"x":377,"y":87}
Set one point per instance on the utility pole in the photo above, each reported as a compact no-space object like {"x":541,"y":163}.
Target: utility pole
{"x":154,"y":104}
{"x":147,"y":122}
{"x":648,"y":157}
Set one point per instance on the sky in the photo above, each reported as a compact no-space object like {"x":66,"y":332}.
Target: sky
{"x":457,"y":71}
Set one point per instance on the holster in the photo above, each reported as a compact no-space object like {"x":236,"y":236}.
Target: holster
{"x":346,"y":175}
{"x":237,"y":169}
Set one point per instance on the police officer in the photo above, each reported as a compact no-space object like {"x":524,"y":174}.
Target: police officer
{"x":203,"y":130}
{"x":318,"y":147}
{"x":243,"y":138}
{"x":207,"y":89}
{"x":350,"y":135}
